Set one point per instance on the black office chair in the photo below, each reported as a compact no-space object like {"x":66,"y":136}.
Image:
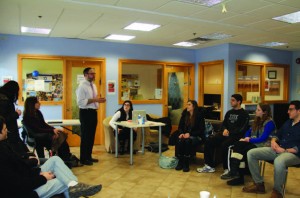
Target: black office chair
{"x":37,"y":141}
{"x":262,"y":165}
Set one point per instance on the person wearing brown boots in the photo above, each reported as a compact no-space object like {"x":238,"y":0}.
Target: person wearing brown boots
{"x":191,"y":133}
{"x":284,"y":151}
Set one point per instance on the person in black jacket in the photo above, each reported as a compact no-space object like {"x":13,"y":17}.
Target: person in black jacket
{"x":18,"y":177}
{"x":49,"y":136}
{"x":235,"y":125}
{"x":123,"y":114}
{"x":191,"y":133}
{"x":9,"y":93}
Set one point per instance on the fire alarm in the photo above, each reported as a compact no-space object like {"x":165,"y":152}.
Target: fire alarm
{"x":298,"y":60}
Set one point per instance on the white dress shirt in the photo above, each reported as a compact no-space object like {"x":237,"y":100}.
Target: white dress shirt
{"x":84,"y":92}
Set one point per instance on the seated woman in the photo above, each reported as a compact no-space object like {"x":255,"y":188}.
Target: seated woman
{"x":191,"y":133}
{"x":20,"y":179}
{"x":123,"y":114}
{"x":257,"y":136}
{"x":55,"y":138}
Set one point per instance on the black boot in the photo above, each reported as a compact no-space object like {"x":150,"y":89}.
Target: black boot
{"x":186,"y":164}
{"x":234,"y":169}
{"x":236,"y":181}
{"x":180,"y":163}
{"x":122,"y":147}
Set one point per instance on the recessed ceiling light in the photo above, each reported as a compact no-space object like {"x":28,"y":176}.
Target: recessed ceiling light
{"x":273,"y":44}
{"x":185,"y":44}
{"x":289,"y":18}
{"x":216,"y":36}
{"x":119,"y":37}
{"x":208,"y":3}
{"x":142,"y":27}
{"x":35,"y":30}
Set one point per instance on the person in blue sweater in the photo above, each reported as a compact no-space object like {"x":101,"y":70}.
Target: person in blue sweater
{"x":284,"y":151}
{"x":258,"y":135}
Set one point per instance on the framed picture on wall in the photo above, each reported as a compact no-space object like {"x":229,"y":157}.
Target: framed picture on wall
{"x":272,"y":74}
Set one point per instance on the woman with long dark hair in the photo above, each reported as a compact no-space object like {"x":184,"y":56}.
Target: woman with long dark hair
{"x":257,"y":136}
{"x":9,"y":93}
{"x":123,"y":114}
{"x":54,"y":137}
{"x":191,"y":133}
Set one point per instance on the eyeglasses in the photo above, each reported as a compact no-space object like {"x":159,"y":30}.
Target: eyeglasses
{"x":291,"y":109}
{"x":92,"y":73}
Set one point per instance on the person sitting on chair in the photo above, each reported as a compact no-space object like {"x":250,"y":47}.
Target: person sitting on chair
{"x":235,"y":125}
{"x":191,"y":133}
{"x":257,"y":136}
{"x":20,"y":179}
{"x":53,"y":137}
{"x":284,"y":151}
{"x":123,"y":114}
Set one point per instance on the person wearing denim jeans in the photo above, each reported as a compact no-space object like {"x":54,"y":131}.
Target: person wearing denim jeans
{"x":284,"y":151}
{"x":19,"y":178}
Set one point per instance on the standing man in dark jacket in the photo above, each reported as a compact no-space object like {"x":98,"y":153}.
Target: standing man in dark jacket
{"x":235,"y":125}
{"x":284,"y":151}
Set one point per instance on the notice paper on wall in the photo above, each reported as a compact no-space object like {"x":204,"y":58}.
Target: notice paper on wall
{"x":39,"y":85}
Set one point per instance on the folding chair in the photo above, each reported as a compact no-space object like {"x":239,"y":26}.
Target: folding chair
{"x":36,"y":141}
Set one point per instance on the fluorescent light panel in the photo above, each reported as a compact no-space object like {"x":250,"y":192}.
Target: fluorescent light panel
{"x":208,"y":3}
{"x":185,"y":44}
{"x":273,"y":44}
{"x":35,"y":30}
{"x":289,"y":18}
{"x":119,"y":37}
{"x":142,"y":27}
{"x":216,"y":36}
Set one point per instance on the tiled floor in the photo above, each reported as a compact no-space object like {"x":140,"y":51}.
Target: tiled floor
{"x":146,"y":179}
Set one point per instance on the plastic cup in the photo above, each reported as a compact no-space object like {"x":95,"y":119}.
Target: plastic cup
{"x":204,"y":194}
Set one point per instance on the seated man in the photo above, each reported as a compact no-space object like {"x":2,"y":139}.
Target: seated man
{"x":20,"y":179}
{"x":284,"y":151}
{"x":235,"y":125}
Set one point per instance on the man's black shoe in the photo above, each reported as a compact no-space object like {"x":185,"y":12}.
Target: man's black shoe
{"x":95,"y":160}
{"x":86,"y":162}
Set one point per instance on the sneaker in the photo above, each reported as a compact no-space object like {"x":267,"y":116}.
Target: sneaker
{"x":229,"y":175}
{"x":83,"y":190}
{"x":206,"y":169}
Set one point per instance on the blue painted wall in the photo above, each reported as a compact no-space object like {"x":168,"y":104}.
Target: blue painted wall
{"x":11,"y":46}
{"x":232,"y":52}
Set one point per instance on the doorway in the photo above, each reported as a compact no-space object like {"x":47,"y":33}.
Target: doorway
{"x":74,"y":75}
{"x":179,"y":89}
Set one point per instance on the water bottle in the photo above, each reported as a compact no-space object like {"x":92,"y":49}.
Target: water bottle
{"x":139,"y":119}
{"x":143,"y":120}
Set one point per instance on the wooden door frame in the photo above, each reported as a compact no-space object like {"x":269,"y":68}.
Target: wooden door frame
{"x":191,"y":75}
{"x":201,"y":82}
{"x":101,"y":86}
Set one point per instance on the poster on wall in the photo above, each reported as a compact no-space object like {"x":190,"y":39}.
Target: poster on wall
{"x":5,"y":79}
{"x":111,"y":87}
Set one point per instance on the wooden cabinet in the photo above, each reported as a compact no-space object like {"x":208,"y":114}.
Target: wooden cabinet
{"x":211,"y":84}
